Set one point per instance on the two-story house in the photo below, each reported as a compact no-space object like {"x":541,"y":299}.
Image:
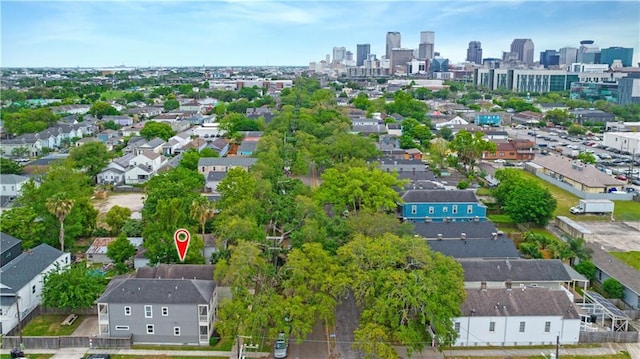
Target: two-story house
{"x":215,"y":168}
{"x":158,"y":311}
{"x":442,"y":206}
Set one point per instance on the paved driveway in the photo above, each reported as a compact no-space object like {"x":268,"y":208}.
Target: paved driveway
{"x":615,"y":236}
{"x":88,"y":328}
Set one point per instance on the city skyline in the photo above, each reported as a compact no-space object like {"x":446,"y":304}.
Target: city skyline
{"x":271,"y":33}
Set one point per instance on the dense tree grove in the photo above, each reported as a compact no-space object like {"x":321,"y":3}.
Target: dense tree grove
{"x":524,"y":200}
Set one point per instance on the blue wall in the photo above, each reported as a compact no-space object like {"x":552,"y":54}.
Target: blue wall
{"x":488,"y":119}
{"x":438,"y":212}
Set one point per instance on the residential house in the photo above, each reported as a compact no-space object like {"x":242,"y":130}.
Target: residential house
{"x":592,"y":115}
{"x":517,"y":317}
{"x":197,"y":144}
{"x":41,"y":165}
{"x":191,"y":106}
{"x":415,"y":171}
{"x":515,"y":273}
{"x":246,"y":148}
{"x":496,"y":135}
{"x":153,"y":145}
{"x":584,"y":178}
{"x":119,"y":120}
{"x":10,"y":248}
{"x":21,"y":281}
{"x":394,"y":129}
{"x":114,"y":172}
{"x":105,"y":135}
{"x":220,"y":145}
{"x":215,"y":168}
{"x":442,"y":206}
{"x":451,"y":122}
{"x":72,"y":109}
{"x":608,"y":266}
{"x":159,"y":310}
{"x":133,"y":130}
{"x":12,"y":184}
{"x":516,"y":150}
{"x":27,"y":145}
{"x":97,"y":252}
{"x":85,"y":140}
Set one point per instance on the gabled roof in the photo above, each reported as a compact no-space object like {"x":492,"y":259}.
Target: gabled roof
{"x":158,"y":291}
{"x":584,"y":174}
{"x":453,"y":230}
{"x":530,"y":270}
{"x":475,"y":248}
{"x":226,"y":161}
{"x":615,"y":268}
{"x":7,"y":241}
{"x":17,"y":273}
{"x":8,"y":179}
{"x":439,"y":196}
{"x":177,"y":271}
{"x":518,"y":302}
{"x":154,"y":143}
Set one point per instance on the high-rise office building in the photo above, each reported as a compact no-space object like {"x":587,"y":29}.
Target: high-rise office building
{"x":588,"y":53}
{"x":393,"y":42}
{"x":474,"y":52}
{"x":399,"y":59}
{"x":624,"y":54}
{"x":568,"y":55}
{"x":549,"y":58}
{"x":524,"y":49}
{"x":339,"y":54}
{"x":362,"y":53}
{"x":427,"y":44}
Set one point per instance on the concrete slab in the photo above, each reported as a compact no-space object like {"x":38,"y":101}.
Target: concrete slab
{"x":88,"y":328}
{"x":615,"y":236}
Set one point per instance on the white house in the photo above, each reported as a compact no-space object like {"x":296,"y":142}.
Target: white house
{"x":12,"y":184}
{"x":138,"y":174}
{"x":21,"y":282}
{"x":517,"y":317}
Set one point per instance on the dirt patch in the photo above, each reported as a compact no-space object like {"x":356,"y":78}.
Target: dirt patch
{"x":616,"y":236}
{"x":133,"y":201}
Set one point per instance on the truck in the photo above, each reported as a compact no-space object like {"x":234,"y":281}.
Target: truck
{"x":593,"y":206}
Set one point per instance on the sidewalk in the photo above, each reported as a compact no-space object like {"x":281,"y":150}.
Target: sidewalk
{"x":78,"y":353}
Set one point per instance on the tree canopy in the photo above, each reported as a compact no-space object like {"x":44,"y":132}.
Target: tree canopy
{"x":91,"y":157}
{"x":523,"y":199}
{"x":469,"y":147}
{"x":154,"y":129}
{"x":72,"y":288}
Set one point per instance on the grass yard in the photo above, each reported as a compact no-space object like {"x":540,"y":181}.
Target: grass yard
{"x":112,"y":94}
{"x":626,"y":211}
{"x":49,"y":325}
{"x":622,"y":355}
{"x":30,"y":356}
{"x":631,"y":258}
{"x":565,"y":199}
{"x":117,"y":356}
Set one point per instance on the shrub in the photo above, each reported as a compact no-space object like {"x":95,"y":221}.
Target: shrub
{"x":613,"y":288}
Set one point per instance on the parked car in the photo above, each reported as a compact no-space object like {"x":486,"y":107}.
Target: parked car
{"x":499,"y":161}
{"x":280,"y":347}
{"x":621,"y":177}
{"x":98,"y":356}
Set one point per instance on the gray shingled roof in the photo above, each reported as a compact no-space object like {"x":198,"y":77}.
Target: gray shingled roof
{"x":589,"y":175}
{"x":530,"y":302}
{"x":158,"y":291}
{"x":177,"y":271}
{"x":529,"y":270}
{"x":454,"y":229}
{"x":227,"y":161}
{"x":17,"y":273}
{"x":613,"y":267}
{"x":7,"y":241}
{"x":475,"y":248}
{"x":7,"y":179}
{"x":439,"y":196}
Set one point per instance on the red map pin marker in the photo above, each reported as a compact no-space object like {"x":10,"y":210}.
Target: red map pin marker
{"x":182,"y":238}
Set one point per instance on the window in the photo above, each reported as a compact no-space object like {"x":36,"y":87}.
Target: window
{"x":176,"y":331}
{"x":492,"y":326}
{"x":122,"y":327}
{"x":454,"y":209}
{"x":33,"y":289}
{"x":501,"y":154}
{"x":150,"y":329}
{"x":547,"y":327}
{"x":470,"y":209}
{"x":148,"y":312}
{"x":127,"y":310}
{"x":165,"y":311}
{"x":414,"y":209}
{"x":522,"y":327}
{"x":457,"y":327}
{"x":430,"y":210}
{"x":445,"y":209}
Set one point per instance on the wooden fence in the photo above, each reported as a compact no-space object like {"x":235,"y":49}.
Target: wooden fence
{"x":67,"y":342}
{"x":608,"y":337}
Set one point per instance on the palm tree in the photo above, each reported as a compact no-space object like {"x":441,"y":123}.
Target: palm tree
{"x":60,"y":206}
{"x":201,"y":210}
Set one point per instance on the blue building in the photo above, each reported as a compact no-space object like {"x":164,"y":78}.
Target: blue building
{"x":489,"y":119}
{"x":625,"y":54}
{"x":442,"y":206}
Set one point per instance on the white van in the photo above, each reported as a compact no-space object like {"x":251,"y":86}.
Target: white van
{"x":281,"y":346}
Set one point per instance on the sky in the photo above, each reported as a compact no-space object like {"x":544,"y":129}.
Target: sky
{"x":58,"y":33}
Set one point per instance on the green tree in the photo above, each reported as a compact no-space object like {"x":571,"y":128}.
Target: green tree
{"x":8,"y":166}
{"x":91,"y":157}
{"x":469,"y":147}
{"x":72,"y":288}
{"x":524,"y":200}
{"x":557,"y":116}
{"x":154,"y":129}
{"x":403,"y":289}
{"x":613,"y":288}
{"x":116,"y":218}
{"x":100,"y":109}
{"x":587,"y":158}
{"x":60,"y":206}
{"x":170,"y":105}
{"x":202,"y":210}
{"x":576,"y":129}
{"x":587,"y":269}
{"x":21,"y":223}
{"x":121,"y":249}
{"x":445,"y":133}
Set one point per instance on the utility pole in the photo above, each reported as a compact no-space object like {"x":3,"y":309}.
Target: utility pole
{"x":557,"y":346}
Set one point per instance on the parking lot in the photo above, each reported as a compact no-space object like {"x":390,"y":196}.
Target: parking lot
{"x":615,"y":236}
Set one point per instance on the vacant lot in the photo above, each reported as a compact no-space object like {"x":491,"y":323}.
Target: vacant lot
{"x":133,"y":201}
{"x":616,"y":236}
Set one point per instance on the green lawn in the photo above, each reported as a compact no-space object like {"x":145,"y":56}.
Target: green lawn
{"x":622,"y":355}
{"x":565,"y":199}
{"x":117,"y":356}
{"x":30,"y":356}
{"x":49,"y":325}
{"x":112,"y":94}
{"x":627,"y":211}
{"x":631,"y":258}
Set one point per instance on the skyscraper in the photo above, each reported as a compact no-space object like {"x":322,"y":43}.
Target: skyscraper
{"x":549,"y":58}
{"x":399,"y":59}
{"x":588,"y":53}
{"x":339,"y":54}
{"x":624,"y":54}
{"x":524,"y":50}
{"x":568,"y":55}
{"x":474,"y":52}
{"x":426,"y":46}
{"x":393,"y":42}
{"x":362,"y":53}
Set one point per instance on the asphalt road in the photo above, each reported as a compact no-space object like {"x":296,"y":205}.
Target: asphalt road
{"x":347,"y":321}
{"x":314,"y":347}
